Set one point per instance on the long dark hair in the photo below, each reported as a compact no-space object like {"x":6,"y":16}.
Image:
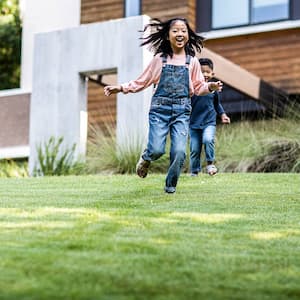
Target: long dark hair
{"x":159,"y":42}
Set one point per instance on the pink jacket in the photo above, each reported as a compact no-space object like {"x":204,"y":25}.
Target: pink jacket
{"x":151,"y":75}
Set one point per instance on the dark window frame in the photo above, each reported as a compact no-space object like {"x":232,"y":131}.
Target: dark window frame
{"x":204,"y":16}
{"x":250,"y":15}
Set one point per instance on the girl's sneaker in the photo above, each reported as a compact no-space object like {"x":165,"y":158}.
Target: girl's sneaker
{"x":142,"y":167}
{"x":211,"y":170}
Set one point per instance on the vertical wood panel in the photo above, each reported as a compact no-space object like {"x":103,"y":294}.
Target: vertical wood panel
{"x":101,"y":10}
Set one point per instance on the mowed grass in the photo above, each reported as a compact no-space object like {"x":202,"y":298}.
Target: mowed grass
{"x":232,"y":236}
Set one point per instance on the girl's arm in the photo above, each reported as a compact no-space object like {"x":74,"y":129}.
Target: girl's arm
{"x":150,"y":75}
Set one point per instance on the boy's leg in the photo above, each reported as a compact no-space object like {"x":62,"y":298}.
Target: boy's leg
{"x":209,"y":145}
{"x":195,"y":150}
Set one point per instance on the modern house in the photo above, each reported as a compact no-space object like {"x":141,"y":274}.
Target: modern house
{"x":255,"y":45}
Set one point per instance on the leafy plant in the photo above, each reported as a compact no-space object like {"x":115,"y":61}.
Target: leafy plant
{"x":10,"y":44}
{"x":11,"y":168}
{"x":54,"y":161}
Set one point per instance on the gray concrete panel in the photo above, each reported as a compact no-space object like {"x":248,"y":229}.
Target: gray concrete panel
{"x":61,"y":61}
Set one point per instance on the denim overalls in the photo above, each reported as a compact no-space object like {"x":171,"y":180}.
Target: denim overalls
{"x":170,"y":112}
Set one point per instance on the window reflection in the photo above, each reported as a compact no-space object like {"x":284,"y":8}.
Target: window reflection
{"x":230,"y":13}
{"x":269,"y":10}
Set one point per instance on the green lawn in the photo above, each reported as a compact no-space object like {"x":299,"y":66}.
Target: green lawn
{"x":232,"y":236}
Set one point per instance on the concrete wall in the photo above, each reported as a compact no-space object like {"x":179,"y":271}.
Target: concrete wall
{"x":62,"y":60}
{"x":43,"y":16}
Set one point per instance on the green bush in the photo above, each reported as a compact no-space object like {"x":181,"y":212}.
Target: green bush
{"x":55,"y":161}
{"x":10,"y":44}
{"x":13,"y":168}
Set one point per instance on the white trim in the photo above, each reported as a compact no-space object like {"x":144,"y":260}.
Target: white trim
{"x":13,"y":92}
{"x":14,"y":152}
{"x":223,"y":33}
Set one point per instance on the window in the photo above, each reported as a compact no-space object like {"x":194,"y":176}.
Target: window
{"x":132,"y":8}
{"x":231,"y":13}
{"x":269,"y":10}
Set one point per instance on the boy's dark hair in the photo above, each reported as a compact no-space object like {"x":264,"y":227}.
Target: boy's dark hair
{"x":206,"y":62}
{"x":159,"y":42}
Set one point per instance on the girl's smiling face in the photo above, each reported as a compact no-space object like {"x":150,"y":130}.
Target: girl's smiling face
{"x":178,"y":36}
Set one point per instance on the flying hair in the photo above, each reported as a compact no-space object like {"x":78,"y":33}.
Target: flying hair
{"x":158,"y":40}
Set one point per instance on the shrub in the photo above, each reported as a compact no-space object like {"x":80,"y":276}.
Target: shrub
{"x":104,"y":155}
{"x":281,"y":156}
{"x":54,"y":161}
{"x":13,"y":168}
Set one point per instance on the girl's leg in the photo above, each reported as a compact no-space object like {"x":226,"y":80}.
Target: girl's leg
{"x":179,"y":134}
{"x":195,"y":150}
{"x":158,"y":131}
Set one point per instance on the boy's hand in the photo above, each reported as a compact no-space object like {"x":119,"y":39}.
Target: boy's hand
{"x":225,"y":119}
{"x":112,"y":89}
{"x":215,"y":86}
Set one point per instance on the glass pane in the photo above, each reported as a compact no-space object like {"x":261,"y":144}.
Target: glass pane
{"x":228,"y":13}
{"x":269,"y":10}
{"x":132,"y":8}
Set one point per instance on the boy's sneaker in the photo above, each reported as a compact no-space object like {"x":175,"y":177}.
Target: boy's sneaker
{"x":170,"y":189}
{"x":142,"y":167}
{"x":194,"y":174}
{"x":211,"y":170}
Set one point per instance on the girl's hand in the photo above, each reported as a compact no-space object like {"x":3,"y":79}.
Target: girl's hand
{"x":112,"y":89}
{"x":215,"y":86}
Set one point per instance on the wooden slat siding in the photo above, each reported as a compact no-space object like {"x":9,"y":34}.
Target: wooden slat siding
{"x":192,"y":7}
{"x":273,"y":56}
{"x":101,"y":10}
{"x":101,"y":109}
{"x":165,"y":9}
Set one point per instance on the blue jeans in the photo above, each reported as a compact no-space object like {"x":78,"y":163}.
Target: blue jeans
{"x":199,"y":137}
{"x":165,"y":118}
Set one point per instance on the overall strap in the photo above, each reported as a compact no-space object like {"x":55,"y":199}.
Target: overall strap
{"x":188,"y":60}
{"x":164,"y":59}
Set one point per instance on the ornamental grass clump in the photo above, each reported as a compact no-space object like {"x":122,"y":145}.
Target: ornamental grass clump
{"x":280,"y":156}
{"x":55,"y":161}
{"x":105,"y":155}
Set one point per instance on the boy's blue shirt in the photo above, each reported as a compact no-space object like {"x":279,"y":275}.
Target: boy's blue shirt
{"x":205,"y":110}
